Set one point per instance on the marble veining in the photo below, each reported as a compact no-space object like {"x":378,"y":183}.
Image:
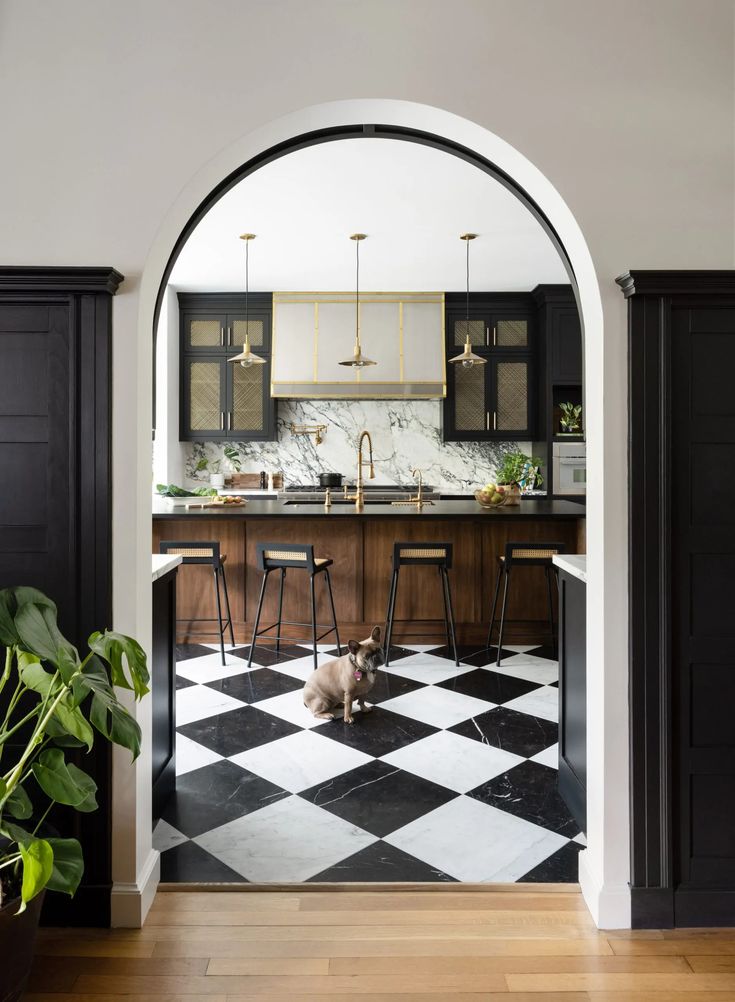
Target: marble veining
{"x":405,"y":433}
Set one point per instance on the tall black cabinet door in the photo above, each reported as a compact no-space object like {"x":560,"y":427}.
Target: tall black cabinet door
{"x":703,"y":610}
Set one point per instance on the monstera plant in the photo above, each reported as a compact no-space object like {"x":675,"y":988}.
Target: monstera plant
{"x":52,"y":701}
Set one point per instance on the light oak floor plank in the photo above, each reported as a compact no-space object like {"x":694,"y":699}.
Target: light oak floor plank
{"x":443,"y":916}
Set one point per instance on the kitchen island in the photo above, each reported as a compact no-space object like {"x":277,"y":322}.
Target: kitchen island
{"x":360,"y":543}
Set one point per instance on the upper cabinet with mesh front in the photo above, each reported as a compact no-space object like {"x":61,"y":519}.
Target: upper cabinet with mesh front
{"x":221,"y":400}
{"x":496,"y":400}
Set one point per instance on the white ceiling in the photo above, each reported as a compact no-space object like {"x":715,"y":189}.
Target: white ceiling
{"x":411,"y":200}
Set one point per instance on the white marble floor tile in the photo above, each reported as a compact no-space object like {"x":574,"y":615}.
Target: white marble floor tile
{"x":427,"y":668}
{"x":209,"y":668}
{"x":543,"y":672}
{"x":452,"y":761}
{"x":476,"y":843}
{"x":439,"y":707}
{"x":287,"y":842}
{"x":301,"y":760}
{"x":290,"y":706}
{"x":543,"y":702}
{"x":525,"y":659}
{"x":300,"y":667}
{"x":549,"y":756}
{"x":198,"y":701}
{"x":165,"y":836}
{"x":191,"y":755}
{"x":580,"y":838}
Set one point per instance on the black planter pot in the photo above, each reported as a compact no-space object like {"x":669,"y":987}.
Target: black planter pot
{"x":17,"y":945}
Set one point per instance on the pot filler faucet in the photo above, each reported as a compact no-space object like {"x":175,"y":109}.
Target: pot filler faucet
{"x":358,"y":497}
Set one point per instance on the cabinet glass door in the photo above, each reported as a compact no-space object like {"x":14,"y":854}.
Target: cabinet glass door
{"x":248,"y":390}
{"x":511,"y":411}
{"x":204,"y":398}
{"x":204,"y":331}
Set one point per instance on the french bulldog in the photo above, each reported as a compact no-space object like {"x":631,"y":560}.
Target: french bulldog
{"x":339,"y":682}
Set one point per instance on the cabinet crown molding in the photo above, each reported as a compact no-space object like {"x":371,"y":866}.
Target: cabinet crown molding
{"x":677,"y":283}
{"x":16,"y":278}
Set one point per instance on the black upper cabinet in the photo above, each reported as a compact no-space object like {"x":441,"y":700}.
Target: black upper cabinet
{"x":565,"y":345}
{"x":219,"y":400}
{"x":496,"y":400}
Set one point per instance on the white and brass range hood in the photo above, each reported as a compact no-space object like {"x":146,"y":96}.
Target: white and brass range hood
{"x":401,"y":332}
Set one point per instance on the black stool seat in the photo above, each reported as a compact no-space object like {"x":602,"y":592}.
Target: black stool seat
{"x":524,"y":554}
{"x":437,"y":555}
{"x":206,"y":552}
{"x":284,"y":557}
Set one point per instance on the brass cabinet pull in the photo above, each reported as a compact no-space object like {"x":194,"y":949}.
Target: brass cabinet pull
{"x":229,"y":336}
{"x":221,"y":420}
{"x":229,"y":421}
{"x":487,"y":336}
{"x":495,"y":420}
{"x":487,"y":420}
{"x":222,"y":337}
{"x":495,"y":336}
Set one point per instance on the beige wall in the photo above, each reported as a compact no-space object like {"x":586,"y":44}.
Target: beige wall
{"x":117,"y":115}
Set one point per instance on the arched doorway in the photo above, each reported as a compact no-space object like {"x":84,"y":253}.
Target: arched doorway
{"x":604,"y":866}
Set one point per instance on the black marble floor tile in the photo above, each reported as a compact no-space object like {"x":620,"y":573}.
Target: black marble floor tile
{"x":554,"y":684}
{"x":266,"y":656}
{"x":529,"y":791}
{"x":237,"y":730}
{"x":514,"y":732}
{"x":486,"y":656}
{"x":546,"y":651}
{"x":376,"y":733}
{"x":464,"y":651}
{"x":561,"y":867}
{"x":377,"y":797}
{"x":189,"y":863}
{"x":184,"y":652}
{"x":382,"y":863}
{"x":489,"y":685}
{"x":215,"y":794}
{"x":183,"y":683}
{"x":388,"y":686}
{"x":260,"y":683}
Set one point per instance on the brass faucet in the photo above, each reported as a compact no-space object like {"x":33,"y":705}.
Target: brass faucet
{"x":418,"y":498}
{"x":359,"y":496}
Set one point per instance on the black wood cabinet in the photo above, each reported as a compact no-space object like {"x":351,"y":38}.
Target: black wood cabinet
{"x":55,"y":508}
{"x":573,"y":695}
{"x":496,"y":400}
{"x":163,"y":692}
{"x":220,"y":400}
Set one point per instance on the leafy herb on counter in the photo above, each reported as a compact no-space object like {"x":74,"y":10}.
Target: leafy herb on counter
{"x":172,"y":491}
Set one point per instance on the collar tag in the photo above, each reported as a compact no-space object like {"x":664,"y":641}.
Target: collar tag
{"x":358,"y":675}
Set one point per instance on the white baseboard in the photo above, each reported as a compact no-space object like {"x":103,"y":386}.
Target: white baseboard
{"x":130,"y":902}
{"x":609,"y":905}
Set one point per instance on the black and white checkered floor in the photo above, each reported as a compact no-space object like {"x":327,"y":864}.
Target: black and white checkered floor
{"x":452,"y":776}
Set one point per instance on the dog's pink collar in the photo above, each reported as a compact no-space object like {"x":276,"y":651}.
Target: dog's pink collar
{"x":358,"y":674}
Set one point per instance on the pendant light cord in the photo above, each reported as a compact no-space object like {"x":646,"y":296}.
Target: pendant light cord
{"x":357,"y":293}
{"x":467,"y":301}
{"x":247,"y":290}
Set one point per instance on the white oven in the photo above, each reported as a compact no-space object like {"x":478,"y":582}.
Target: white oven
{"x":570,"y":467}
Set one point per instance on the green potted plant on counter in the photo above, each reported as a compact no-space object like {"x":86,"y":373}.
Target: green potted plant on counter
{"x":51,"y":703}
{"x":518,"y":472}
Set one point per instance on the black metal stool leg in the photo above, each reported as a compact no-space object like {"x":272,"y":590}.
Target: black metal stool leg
{"x":313,"y":616}
{"x":389,"y":617}
{"x":280,"y":610}
{"x":448,"y":602}
{"x":227,"y":605}
{"x":551,"y":608}
{"x":334,"y":614}
{"x":495,"y":605}
{"x":502,"y":614}
{"x":257,"y":618}
{"x":446,"y":610}
{"x":219,"y":615}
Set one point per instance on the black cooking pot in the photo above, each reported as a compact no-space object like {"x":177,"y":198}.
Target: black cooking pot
{"x":330,"y":479}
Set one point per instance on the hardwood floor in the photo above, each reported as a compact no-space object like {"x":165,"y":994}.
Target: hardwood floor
{"x":519,"y":942}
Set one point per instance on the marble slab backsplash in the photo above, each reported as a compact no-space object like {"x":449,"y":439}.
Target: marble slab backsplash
{"x":405,"y":434}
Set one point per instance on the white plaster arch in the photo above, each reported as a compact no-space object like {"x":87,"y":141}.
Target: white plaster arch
{"x":604,"y":866}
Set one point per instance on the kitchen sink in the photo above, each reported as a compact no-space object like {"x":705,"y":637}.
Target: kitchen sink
{"x":342,"y":501}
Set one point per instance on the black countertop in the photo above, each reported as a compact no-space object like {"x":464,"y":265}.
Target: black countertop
{"x":539,"y":509}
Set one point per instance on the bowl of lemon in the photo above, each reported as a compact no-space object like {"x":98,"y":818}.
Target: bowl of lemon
{"x":492,"y":496}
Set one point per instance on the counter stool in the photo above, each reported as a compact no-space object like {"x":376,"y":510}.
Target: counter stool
{"x":282,"y":556}
{"x":437,"y":555}
{"x":206,"y":552}
{"x":525,"y":554}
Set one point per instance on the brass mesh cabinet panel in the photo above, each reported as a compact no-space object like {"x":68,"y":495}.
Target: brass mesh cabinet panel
{"x":469,"y":398}
{"x":247,"y":398}
{"x":476,"y":330}
{"x":205,"y":403}
{"x":511,"y":334}
{"x":256,"y":329}
{"x":511,"y":396}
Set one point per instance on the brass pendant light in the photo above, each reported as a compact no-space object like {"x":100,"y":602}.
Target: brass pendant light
{"x":358,"y":360}
{"x":246,"y":358}
{"x":467,"y":357}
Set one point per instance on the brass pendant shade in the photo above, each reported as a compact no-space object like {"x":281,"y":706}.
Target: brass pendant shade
{"x":358,"y":360}
{"x":468,"y":358}
{"x":247,"y":358}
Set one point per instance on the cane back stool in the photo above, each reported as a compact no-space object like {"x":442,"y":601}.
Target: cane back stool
{"x":209,"y":553}
{"x":437,"y":555}
{"x":282,"y":557}
{"x":524,"y":554}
